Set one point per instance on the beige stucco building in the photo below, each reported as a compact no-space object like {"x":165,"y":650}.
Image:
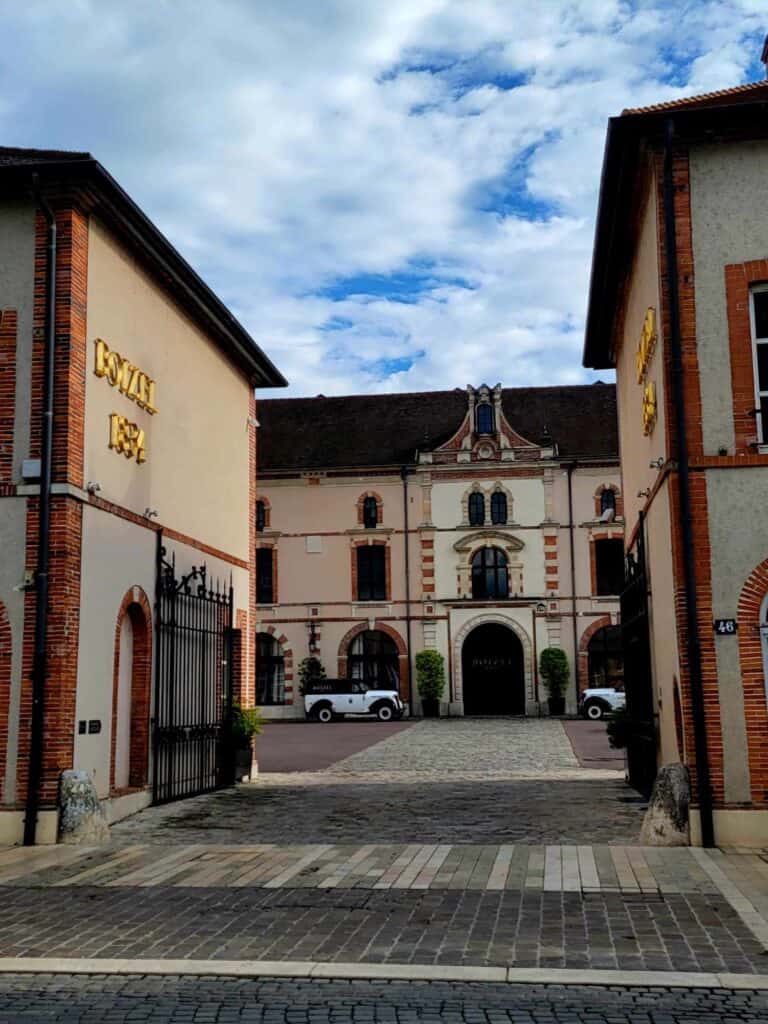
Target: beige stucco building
{"x":679,"y":306}
{"x":483,"y":523}
{"x":152,"y":465}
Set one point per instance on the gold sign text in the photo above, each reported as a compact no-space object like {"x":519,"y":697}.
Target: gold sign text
{"x":650,"y":409}
{"x":126,"y":438}
{"x":647,"y":344}
{"x":123,"y":375}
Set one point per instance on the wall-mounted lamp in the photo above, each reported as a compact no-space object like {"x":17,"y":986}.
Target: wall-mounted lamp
{"x":151,"y":513}
{"x":541,"y":608}
{"x":644,"y":494}
{"x":312,"y":638}
{"x":657,"y":463}
{"x":92,"y":487}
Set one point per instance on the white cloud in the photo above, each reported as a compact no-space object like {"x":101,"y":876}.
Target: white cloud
{"x":283,"y":146}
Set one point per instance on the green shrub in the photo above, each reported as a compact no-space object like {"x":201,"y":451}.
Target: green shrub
{"x":310,"y":668}
{"x":430,"y":675}
{"x":246,"y":723}
{"x":553,"y":669}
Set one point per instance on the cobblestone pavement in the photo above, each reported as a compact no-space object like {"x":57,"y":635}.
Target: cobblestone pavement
{"x":682,"y":931}
{"x":172,"y":1000}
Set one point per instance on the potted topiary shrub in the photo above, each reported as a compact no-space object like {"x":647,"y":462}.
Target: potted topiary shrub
{"x":553,"y":669}
{"x":430,"y":681}
{"x":309,"y":668}
{"x":246,"y":724}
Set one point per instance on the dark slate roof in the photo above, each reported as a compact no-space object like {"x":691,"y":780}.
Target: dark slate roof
{"x":60,"y":170}
{"x":386,"y":430}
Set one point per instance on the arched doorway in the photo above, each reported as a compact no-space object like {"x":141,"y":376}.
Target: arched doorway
{"x":131,"y":693}
{"x":493,"y":671}
{"x":606,"y":657}
{"x":374,"y":657}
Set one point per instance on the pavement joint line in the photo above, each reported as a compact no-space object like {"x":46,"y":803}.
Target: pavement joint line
{"x":376,"y":972}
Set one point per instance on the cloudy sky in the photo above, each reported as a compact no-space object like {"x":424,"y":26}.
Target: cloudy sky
{"x":390,"y":194}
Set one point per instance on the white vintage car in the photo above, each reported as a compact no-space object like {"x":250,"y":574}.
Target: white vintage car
{"x":599,"y":702}
{"x":329,"y":699}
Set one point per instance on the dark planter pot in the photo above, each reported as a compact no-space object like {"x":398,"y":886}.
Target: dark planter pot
{"x":556,"y":705}
{"x":243,"y":760}
{"x":430,"y":708}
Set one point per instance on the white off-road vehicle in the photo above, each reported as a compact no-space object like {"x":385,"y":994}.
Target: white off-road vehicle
{"x":601,"y":701}
{"x":329,"y":699}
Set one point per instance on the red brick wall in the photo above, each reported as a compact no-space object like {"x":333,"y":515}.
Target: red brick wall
{"x":753,"y":680}
{"x":137,"y":607}
{"x":8,"y":326}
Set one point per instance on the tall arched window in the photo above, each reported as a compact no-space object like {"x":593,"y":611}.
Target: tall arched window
{"x":370,"y":513}
{"x":261,"y":516}
{"x":490,"y":575}
{"x":270,"y":671}
{"x":373,"y":657}
{"x":606,"y":658}
{"x":476,"y":509}
{"x":499,"y":508}
{"x":607,"y":500}
{"x":484,"y":418}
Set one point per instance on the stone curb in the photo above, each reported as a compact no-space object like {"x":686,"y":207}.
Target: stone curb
{"x":382,"y":972}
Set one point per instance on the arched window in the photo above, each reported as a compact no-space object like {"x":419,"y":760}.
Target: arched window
{"x":476,"y":509}
{"x":373,"y":657}
{"x":261,"y":516}
{"x":499,"y":508}
{"x":490,"y":576}
{"x":606,"y":658}
{"x":608,"y":500}
{"x":485,"y":418}
{"x":270,"y":671}
{"x":370,"y":513}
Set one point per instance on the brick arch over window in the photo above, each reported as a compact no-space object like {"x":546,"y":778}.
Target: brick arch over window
{"x":402,"y":652}
{"x":501,"y":620}
{"x":379,"y":507}
{"x":618,"y":498}
{"x":136,"y":606}
{"x":5,"y":687}
{"x":586,"y":636}
{"x":753,"y":678}
{"x":287,"y":652}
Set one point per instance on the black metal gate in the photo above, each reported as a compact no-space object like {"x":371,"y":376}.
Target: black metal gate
{"x":193,"y":684}
{"x":638,"y":682}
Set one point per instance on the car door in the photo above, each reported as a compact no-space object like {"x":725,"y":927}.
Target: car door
{"x":355,"y":700}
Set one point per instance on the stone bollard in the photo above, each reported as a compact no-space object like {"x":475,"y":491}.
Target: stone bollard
{"x":666,"y":821}
{"x":81,"y":819}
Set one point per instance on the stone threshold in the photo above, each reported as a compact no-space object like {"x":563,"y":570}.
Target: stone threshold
{"x":382,"y":972}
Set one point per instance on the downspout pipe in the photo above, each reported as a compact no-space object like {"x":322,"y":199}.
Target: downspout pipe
{"x":40,"y":656}
{"x":693,"y":642}
{"x":404,"y":473}
{"x":574,"y":626}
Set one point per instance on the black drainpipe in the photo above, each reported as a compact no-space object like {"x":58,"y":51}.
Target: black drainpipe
{"x":693,"y":644}
{"x":570,"y":468}
{"x":404,"y":471}
{"x":40,"y":660}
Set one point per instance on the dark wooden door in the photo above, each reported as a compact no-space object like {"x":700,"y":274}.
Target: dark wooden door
{"x":493,"y":672}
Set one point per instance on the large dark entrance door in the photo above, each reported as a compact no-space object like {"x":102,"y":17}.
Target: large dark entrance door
{"x":191,"y":749}
{"x":493,"y":672}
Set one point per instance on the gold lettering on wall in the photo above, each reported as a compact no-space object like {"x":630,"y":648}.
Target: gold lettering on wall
{"x":126,"y":438}
{"x":647,"y":344}
{"x":122,"y":374}
{"x":650,"y":409}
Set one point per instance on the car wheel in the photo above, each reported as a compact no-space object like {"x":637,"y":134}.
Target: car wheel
{"x":594,"y":711}
{"x":385,"y":712}
{"x":325,"y":714}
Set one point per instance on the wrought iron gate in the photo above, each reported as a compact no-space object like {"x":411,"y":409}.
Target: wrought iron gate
{"x":638,"y":684}
{"x":193,"y":684}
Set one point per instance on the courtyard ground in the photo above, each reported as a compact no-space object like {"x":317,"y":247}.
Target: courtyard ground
{"x":453,"y":851}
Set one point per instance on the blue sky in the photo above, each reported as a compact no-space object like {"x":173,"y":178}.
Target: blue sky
{"x":390,"y":196}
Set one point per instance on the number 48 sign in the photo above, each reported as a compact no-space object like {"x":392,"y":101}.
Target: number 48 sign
{"x":726,"y":627}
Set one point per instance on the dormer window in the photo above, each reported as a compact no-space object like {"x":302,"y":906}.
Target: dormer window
{"x":370,"y":513}
{"x":484,"y":417}
{"x":476,"y":509}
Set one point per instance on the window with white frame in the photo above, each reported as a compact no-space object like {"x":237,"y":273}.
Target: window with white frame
{"x":760,"y":359}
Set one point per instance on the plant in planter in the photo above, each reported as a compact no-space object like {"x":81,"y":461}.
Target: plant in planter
{"x":553,"y":669}
{"x":246,"y":723}
{"x":309,"y":668}
{"x":430,"y":681}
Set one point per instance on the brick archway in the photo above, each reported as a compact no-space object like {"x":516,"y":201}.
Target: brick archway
{"x":137,"y":608}
{"x":402,"y":652}
{"x":583,"y":660}
{"x":751,"y":616}
{"x":5,"y":688}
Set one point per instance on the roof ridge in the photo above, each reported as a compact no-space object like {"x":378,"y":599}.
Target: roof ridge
{"x":734,"y":90}
{"x":435,"y":391}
